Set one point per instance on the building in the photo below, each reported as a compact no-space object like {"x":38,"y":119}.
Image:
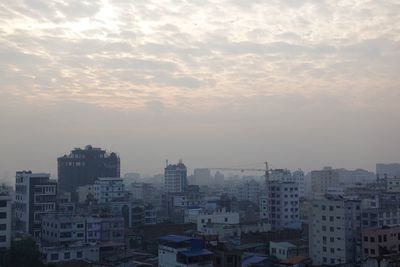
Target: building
{"x":175,"y":178}
{"x":334,"y":230}
{"x":76,"y":251}
{"x":5,"y":220}
{"x":377,"y":242}
{"x":142,"y":214}
{"x":390,"y":170}
{"x":250,"y":191}
{"x":288,"y":249}
{"x":217,"y":217}
{"x":108,"y":189}
{"x":103,"y":229}
{"x":84,"y":166}
{"x":280,"y":206}
{"x":358,"y":176}
{"x":62,"y":228}
{"x":143,"y":191}
{"x":35,"y":195}
{"x":175,"y":250}
{"x":202,"y":176}
{"x":299,"y":178}
{"x":323,"y":179}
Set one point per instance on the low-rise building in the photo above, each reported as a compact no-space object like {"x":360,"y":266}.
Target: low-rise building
{"x":217,"y":217}
{"x":288,"y":249}
{"x":182,"y":251}
{"x":377,"y":242}
{"x":77,"y":251}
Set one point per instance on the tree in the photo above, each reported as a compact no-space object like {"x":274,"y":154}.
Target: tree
{"x":23,"y":253}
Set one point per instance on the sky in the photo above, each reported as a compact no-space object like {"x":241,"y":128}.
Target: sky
{"x":216,"y":83}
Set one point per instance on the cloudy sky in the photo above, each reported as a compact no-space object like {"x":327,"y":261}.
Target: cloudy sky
{"x":300,"y":83}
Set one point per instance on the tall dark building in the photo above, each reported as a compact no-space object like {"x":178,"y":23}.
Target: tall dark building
{"x":84,"y":166}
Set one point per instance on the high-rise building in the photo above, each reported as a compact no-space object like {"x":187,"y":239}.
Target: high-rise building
{"x":323,"y":179}
{"x":5,"y":220}
{"x":83,"y":166}
{"x":280,"y":205}
{"x":35,"y":195}
{"x":334,"y":231}
{"x":175,"y":178}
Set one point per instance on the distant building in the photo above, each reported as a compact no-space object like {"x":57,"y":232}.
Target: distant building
{"x":202,"y":176}
{"x":35,"y":195}
{"x":108,"y":189}
{"x":175,"y":178}
{"x":84,"y":166}
{"x":250,"y":191}
{"x":5,"y":220}
{"x":334,"y":231}
{"x":323,"y":179}
{"x":143,"y":191}
{"x":183,"y":251}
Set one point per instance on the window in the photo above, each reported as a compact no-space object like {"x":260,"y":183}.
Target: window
{"x":79,"y":254}
{"x":372,"y":239}
{"x":3,"y":215}
{"x":3,"y":238}
{"x":54,"y":256}
{"x":3,"y":203}
{"x":67,"y":255}
{"x":3,"y":227}
{"x":365,"y":238}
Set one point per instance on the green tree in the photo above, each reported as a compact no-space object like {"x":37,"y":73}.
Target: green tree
{"x":23,"y":253}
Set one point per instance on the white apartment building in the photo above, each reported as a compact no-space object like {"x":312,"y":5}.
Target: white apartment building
{"x":63,"y":228}
{"x":77,"y":251}
{"x":216,"y":217}
{"x":108,"y":189}
{"x":182,"y":251}
{"x":5,"y":220}
{"x":35,"y":195}
{"x":323,"y":179}
{"x":334,"y":230}
{"x":280,"y":205}
{"x":101,"y":229}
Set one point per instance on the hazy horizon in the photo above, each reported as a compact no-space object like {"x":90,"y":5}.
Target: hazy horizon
{"x":216,"y":83}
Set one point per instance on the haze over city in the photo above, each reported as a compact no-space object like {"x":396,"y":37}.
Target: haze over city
{"x":301,"y":84}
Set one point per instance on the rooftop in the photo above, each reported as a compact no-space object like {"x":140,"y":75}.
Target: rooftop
{"x":175,"y":238}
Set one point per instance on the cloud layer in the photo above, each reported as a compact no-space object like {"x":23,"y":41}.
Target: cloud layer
{"x":132,"y":54}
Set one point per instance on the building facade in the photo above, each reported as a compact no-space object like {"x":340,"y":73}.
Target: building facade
{"x":280,"y":206}
{"x":175,"y":178}
{"x":84,"y":166}
{"x":334,"y":231}
{"x":323,"y":179}
{"x":35,"y":195}
{"x":108,"y":189}
{"x":5,"y":220}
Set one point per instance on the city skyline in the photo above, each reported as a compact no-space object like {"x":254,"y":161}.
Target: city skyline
{"x":301,"y":84}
